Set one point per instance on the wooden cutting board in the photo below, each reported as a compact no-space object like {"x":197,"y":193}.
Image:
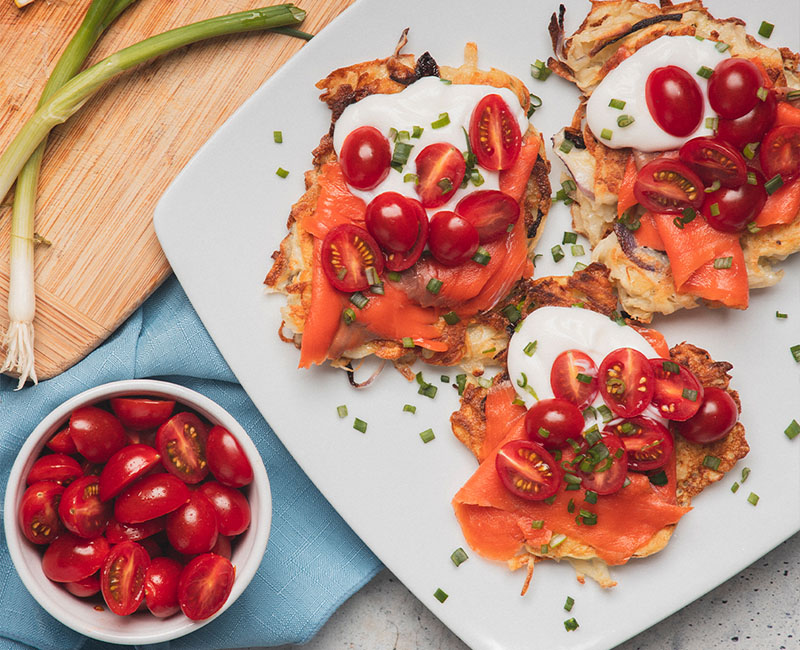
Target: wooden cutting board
{"x":105,"y":169}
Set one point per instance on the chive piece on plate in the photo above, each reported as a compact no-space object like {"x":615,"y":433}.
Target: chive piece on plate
{"x":342,"y":411}
{"x":459,"y":556}
{"x":440,"y":595}
{"x":792,"y":430}
{"x":409,"y":408}
{"x":281,"y":172}
{"x":427,"y":435}
{"x":765,"y":29}
{"x":360,"y":425}
{"x":277,"y":137}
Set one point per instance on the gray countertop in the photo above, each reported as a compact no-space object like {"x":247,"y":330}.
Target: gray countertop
{"x":759,"y":608}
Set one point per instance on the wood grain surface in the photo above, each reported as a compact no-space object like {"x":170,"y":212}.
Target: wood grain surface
{"x":105,"y":169}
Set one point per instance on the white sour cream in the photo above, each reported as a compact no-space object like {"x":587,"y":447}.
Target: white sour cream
{"x":419,"y":105}
{"x":627,"y":82}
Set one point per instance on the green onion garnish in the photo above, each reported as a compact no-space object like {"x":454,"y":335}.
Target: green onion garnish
{"x":670,"y":366}
{"x":427,"y":435}
{"x":713,"y":187}
{"x":723,"y":262}
{"x":565,"y":146}
{"x":571,"y":625}
{"x":792,"y":430}
{"x":569,"y":237}
{"x":689,"y":394}
{"x":660,"y":478}
{"x":461,"y":383}
{"x":359,"y":299}
{"x":795,"y":350}
{"x":403,"y":135}
{"x":446,"y":82}
{"x":762,"y":93}
{"x":751,"y":179}
{"x":459,"y":556}
{"x":342,"y":411}
{"x":792,"y":95}
{"x":749,"y":152}
{"x":571,"y":506}
{"x":765,"y":29}
{"x":712,"y":123}
{"x":605,"y":412}
{"x":590,"y":497}
{"x":511,"y":313}
{"x":483,"y":382}
{"x":475,"y":178}
{"x":445,"y":379}
{"x":409,"y":408}
{"x":281,"y":172}
{"x":446,"y":185}
{"x":540,"y":71}
{"x":360,"y":425}
{"x":745,"y":473}
{"x":490,"y":350}
{"x":714,"y":209}
{"x":408,"y":342}
{"x":712,"y":462}
{"x":545,"y":548}
{"x":753,"y":498}
{"x":451,"y":318}
{"x":704,"y":71}
{"x":544,"y":433}
{"x":348,"y":316}
{"x":530,"y":348}
{"x":773,"y":184}
{"x":400,"y":155}
{"x":277,"y":137}
{"x":557,"y":252}
{"x":434,"y":286}
{"x":394,"y":276}
{"x":569,"y":603}
{"x":440,"y":595}
{"x":444,"y":120}
{"x":753,"y":228}
{"x":625,"y":120}
{"x":606,"y":134}
{"x":735,"y":487}
{"x":557,"y":540}
{"x":617,"y":103}
{"x":537,"y":524}
{"x":721,"y":47}
{"x":577,"y":250}
{"x":411,"y":178}
{"x":429,"y":390}
{"x":481,"y":256}
{"x":372,"y":275}
{"x":779,"y":314}
{"x":584,"y":379}
{"x":416,"y":132}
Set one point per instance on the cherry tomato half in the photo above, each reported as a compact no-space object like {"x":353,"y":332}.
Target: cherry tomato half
{"x":404,"y":260}
{"x":492,"y":212}
{"x":122,"y":577}
{"x":528,"y":470}
{"x":731,"y":209}
{"x":231,"y":507}
{"x":365,"y":157}
{"x":626,"y":382}
{"x":161,"y":586}
{"x":142,"y":412}
{"x":550,"y":422}
{"x":38,"y":512}
{"x":71,"y":558}
{"x":204,"y":586}
{"x":392,"y":220}
{"x":751,"y":126}
{"x":97,"y":434}
{"x":347,"y":252}
{"x":605,"y":465}
{"x":440,"y":170}
{"x":715,"y":419}
{"x":61,"y":443}
{"x":713,"y":159}
{"x":124,"y":467}
{"x":667,"y":185}
{"x":678,"y":394}
{"x":452,"y":239}
{"x":226,"y":458}
{"x":494,"y":133}
{"x":117,"y":532}
{"x":192,"y":528}
{"x":85,"y":588}
{"x":81,"y":509}
{"x":780,"y":152}
{"x":649,"y":444}
{"x":573,"y":377}
{"x":732,"y":87}
{"x":153,"y":496}
{"x":58,"y":468}
{"x":181,"y":442}
{"x":675,"y":100}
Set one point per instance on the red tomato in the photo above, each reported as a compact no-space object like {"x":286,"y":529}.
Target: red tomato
{"x":81,"y":510}
{"x":152,"y":547}
{"x":365,"y":157}
{"x":58,"y":468}
{"x":551,"y":422}
{"x":222,"y":547}
{"x":715,"y":419}
{"x":192,"y":528}
{"x":492,"y":212}
{"x":122,"y":577}
{"x":675,"y":100}
{"x":142,"y":412}
{"x":452,"y":239}
{"x":71,"y":558}
{"x":605,"y":465}
{"x":181,"y":441}
{"x":124,"y":467}
{"x":733,"y":86}
{"x":730,"y":210}
{"x":649,"y":444}
{"x":153,"y":496}
{"x":392,"y":220}
{"x":667,"y":185}
{"x":205,"y":585}
{"x":117,"y":532}
{"x":85,"y":588}
{"x":573,"y":377}
{"x":751,"y":126}
{"x":347,"y":252}
{"x":232,"y":508}
{"x":97,"y":434}
{"x":528,"y":470}
{"x":780,"y":152}
{"x":38,"y":512}
{"x":678,"y":395}
{"x":404,"y":260}
{"x":494,"y":134}
{"x":626,"y":382}
{"x":161,"y":586}
{"x":440,"y":170}
{"x":713,"y":159}
{"x":61,"y":443}
{"x":227,"y":460}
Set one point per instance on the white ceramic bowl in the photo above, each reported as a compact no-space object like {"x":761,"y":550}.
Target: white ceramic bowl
{"x":141,"y":627}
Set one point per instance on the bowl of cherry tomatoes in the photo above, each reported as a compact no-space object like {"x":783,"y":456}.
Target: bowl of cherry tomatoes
{"x":137,"y":511}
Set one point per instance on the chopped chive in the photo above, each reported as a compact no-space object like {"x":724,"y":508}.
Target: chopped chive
{"x":459,"y":556}
{"x":403,"y":135}
{"x":773,"y":184}
{"x":571,"y":625}
{"x":589,"y":410}
{"x":408,"y":342}
{"x":517,"y":402}
{"x":765,"y":29}
{"x":411,"y":178}
{"x":751,"y":178}
{"x":721,"y":47}
{"x":372,"y":275}
{"x":699,"y":38}
{"x":394,"y":276}
{"x":281,"y":172}
{"x":440,"y":595}
{"x":360,"y":425}
{"x":753,"y":228}
{"x":792,"y":430}
{"x":549,"y":500}
{"x":342,"y":411}
{"x":377,"y":289}
{"x":451,"y":318}
{"x":461,"y":383}
{"x":536,"y":101}
{"x":712,"y":123}
{"x":537,"y":523}
{"x":671,"y":367}
{"x":723,"y":262}
{"x":434,"y":285}
{"x":557,"y":540}
{"x":475,"y":178}
{"x":481,"y":256}
{"x":627,"y":481}
{"x":483,"y":382}
{"x":530,"y":348}
{"x":348,"y":316}
{"x":704,"y":71}
{"x":569,"y":603}
{"x":557,"y":252}
{"x":446,"y":185}
{"x":712,"y":462}
{"x":416,"y":132}
{"x":544,"y":433}
{"x":570,"y":237}
{"x":753,"y":498}
{"x":617,"y":103}
{"x":577,"y":250}
{"x":762,"y":93}
{"x":625,"y":120}
{"x":445,"y":379}
{"x":446,"y":82}
{"x":545,"y":549}
{"x":689,"y":394}
{"x":409,"y":408}
{"x":571,"y":506}
{"x":359,"y":299}
{"x":714,"y":209}
{"x":427,"y":435}
{"x":606,"y":134}
{"x":713,"y":187}
{"x":795,"y":350}
{"x":584,"y":379}
{"x":400,"y":155}
{"x":735,"y":487}
{"x":605,"y":412}
{"x":490,"y":350}
{"x":540,"y":71}
{"x":590,"y":497}
{"x":511,"y":313}
{"x":779,"y":314}
{"x":660,"y":478}
{"x":745,"y":473}
{"x":749,"y":152}
{"x":277,"y":137}
{"x":565,"y":146}
{"x":444,"y":120}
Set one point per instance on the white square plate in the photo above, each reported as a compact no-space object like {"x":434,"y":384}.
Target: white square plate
{"x":224,"y":215}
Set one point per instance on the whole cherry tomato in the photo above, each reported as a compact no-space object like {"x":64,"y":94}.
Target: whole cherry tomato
{"x":494,"y":133}
{"x":678,"y":394}
{"x":204,"y":585}
{"x":551,"y":422}
{"x":392,"y":220}
{"x":528,"y":470}
{"x":222,"y":547}
{"x":667,"y":185}
{"x":751,"y":126}
{"x":85,"y":588}
{"x":626,"y":382}
{"x":648,"y":443}
{"x":731,"y":209}
{"x":227,"y":460}
{"x":452,"y":239}
{"x":153,"y":496}
{"x":181,"y":442}
{"x":365,"y":157}
{"x":733,"y":87}
{"x":231,"y":507}
{"x":161,"y":586}
{"x":573,"y":377}
{"x":404,"y":260}
{"x":97,"y":434}
{"x":440,"y":170}
{"x":347,"y":252}
{"x":38,"y":512}
{"x":58,"y":468}
{"x":192,"y":528}
{"x":142,"y":412}
{"x":492,"y":212}
{"x":122,"y":577}
{"x":715,"y":419}
{"x":71,"y":558}
{"x":81,"y":510}
{"x":675,"y":100}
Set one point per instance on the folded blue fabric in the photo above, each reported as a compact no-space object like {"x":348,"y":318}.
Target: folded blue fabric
{"x":313,"y":561}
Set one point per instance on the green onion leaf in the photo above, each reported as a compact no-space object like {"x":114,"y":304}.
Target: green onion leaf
{"x":795,"y":350}
{"x":753,"y":498}
{"x":779,"y":314}
{"x":434,"y":285}
{"x":411,"y":178}
{"x":530,"y":348}
{"x":735,"y":487}
{"x":451,"y":318}
{"x":584,"y":379}
{"x":722,"y":47}
{"x":712,"y":123}
{"x":606,"y":134}
{"x":617,"y":103}
{"x":360,"y":425}
{"x":659,"y":479}
{"x":537,"y":524}
{"x":753,"y":228}
{"x":511,"y":313}
{"x":745,"y":473}
{"x":712,"y":462}
{"x":348,"y":316}
{"x":461,"y":383}
{"x":765,"y":29}
{"x":773,"y":184}
{"x":444,"y":120}
{"x":409,"y":408}
{"x":342,"y":411}
{"x":671,"y":367}
{"x":394,"y":276}
{"x":713,"y":187}
{"x":570,"y":237}
{"x":704,"y":71}
{"x":459,"y":556}
{"x":281,"y":172}
{"x":571,"y":625}
{"x":723,"y":262}
{"x":359,"y":299}
{"x":577,"y":250}
{"x":481,"y":256}
{"x":400,"y":155}
{"x":625,"y":120}
{"x":762,"y":93}
{"x":427,"y":435}
{"x":793,"y":430}
{"x":408,"y":342}
{"x":416,"y":132}
{"x":590,"y":497}
{"x":440,"y":595}
{"x":557,"y":252}
{"x":277,"y":137}
{"x":569,"y":603}
{"x":540,"y":71}
{"x":749,"y":152}
{"x":565,"y":146}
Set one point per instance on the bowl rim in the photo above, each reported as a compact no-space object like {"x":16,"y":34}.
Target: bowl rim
{"x":47,"y":597}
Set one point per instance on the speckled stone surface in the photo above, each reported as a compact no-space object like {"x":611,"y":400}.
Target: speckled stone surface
{"x":757,"y":609}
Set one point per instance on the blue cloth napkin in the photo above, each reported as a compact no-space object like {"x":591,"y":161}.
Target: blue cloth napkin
{"x":313,"y":561}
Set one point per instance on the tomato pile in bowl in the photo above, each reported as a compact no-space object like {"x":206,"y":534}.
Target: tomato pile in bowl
{"x":126,"y":493}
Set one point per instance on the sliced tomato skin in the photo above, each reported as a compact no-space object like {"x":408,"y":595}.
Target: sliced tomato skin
{"x":452,"y":239}
{"x":713,"y":421}
{"x":494,"y":133}
{"x":390,"y":219}
{"x":62,"y":443}
{"x":71,"y":558}
{"x":204,"y":586}
{"x":492,"y":212}
{"x":181,"y":443}
{"x":38,"y":512}
{"x":85,"y":588}
{"x":122,"y":577}
{"x":751,"y":126}
{"x":97,"y":434}
{"x":58,"y":468}
{"x":713,"y":159}
{"x":564,"y":378}
{"x":192,"y":528}
{"x":440,"y":170}
{"x":153,"y":496}
{"x":124,"y":467}
{"x":161,"y":586}
{"x":348,"y":251}
{"x":81,"y":510}
{"x":735,"y":207}
{"x":405,"y":260}
{"x":733,"y":86}
{"x":139,"y":413}
{"x":561,"y":420}
{"x":226,"y":458}
{"x":231,"y":507}
{"x":528,"y":470}
{"x":117,"y":532}
{"x":667,"y":185}
{"x":669,"y":396}
{"x":626,"y":382}
{"x":649,"y":444}
{"x":612,"y":479}
{"x":779,"y":152}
